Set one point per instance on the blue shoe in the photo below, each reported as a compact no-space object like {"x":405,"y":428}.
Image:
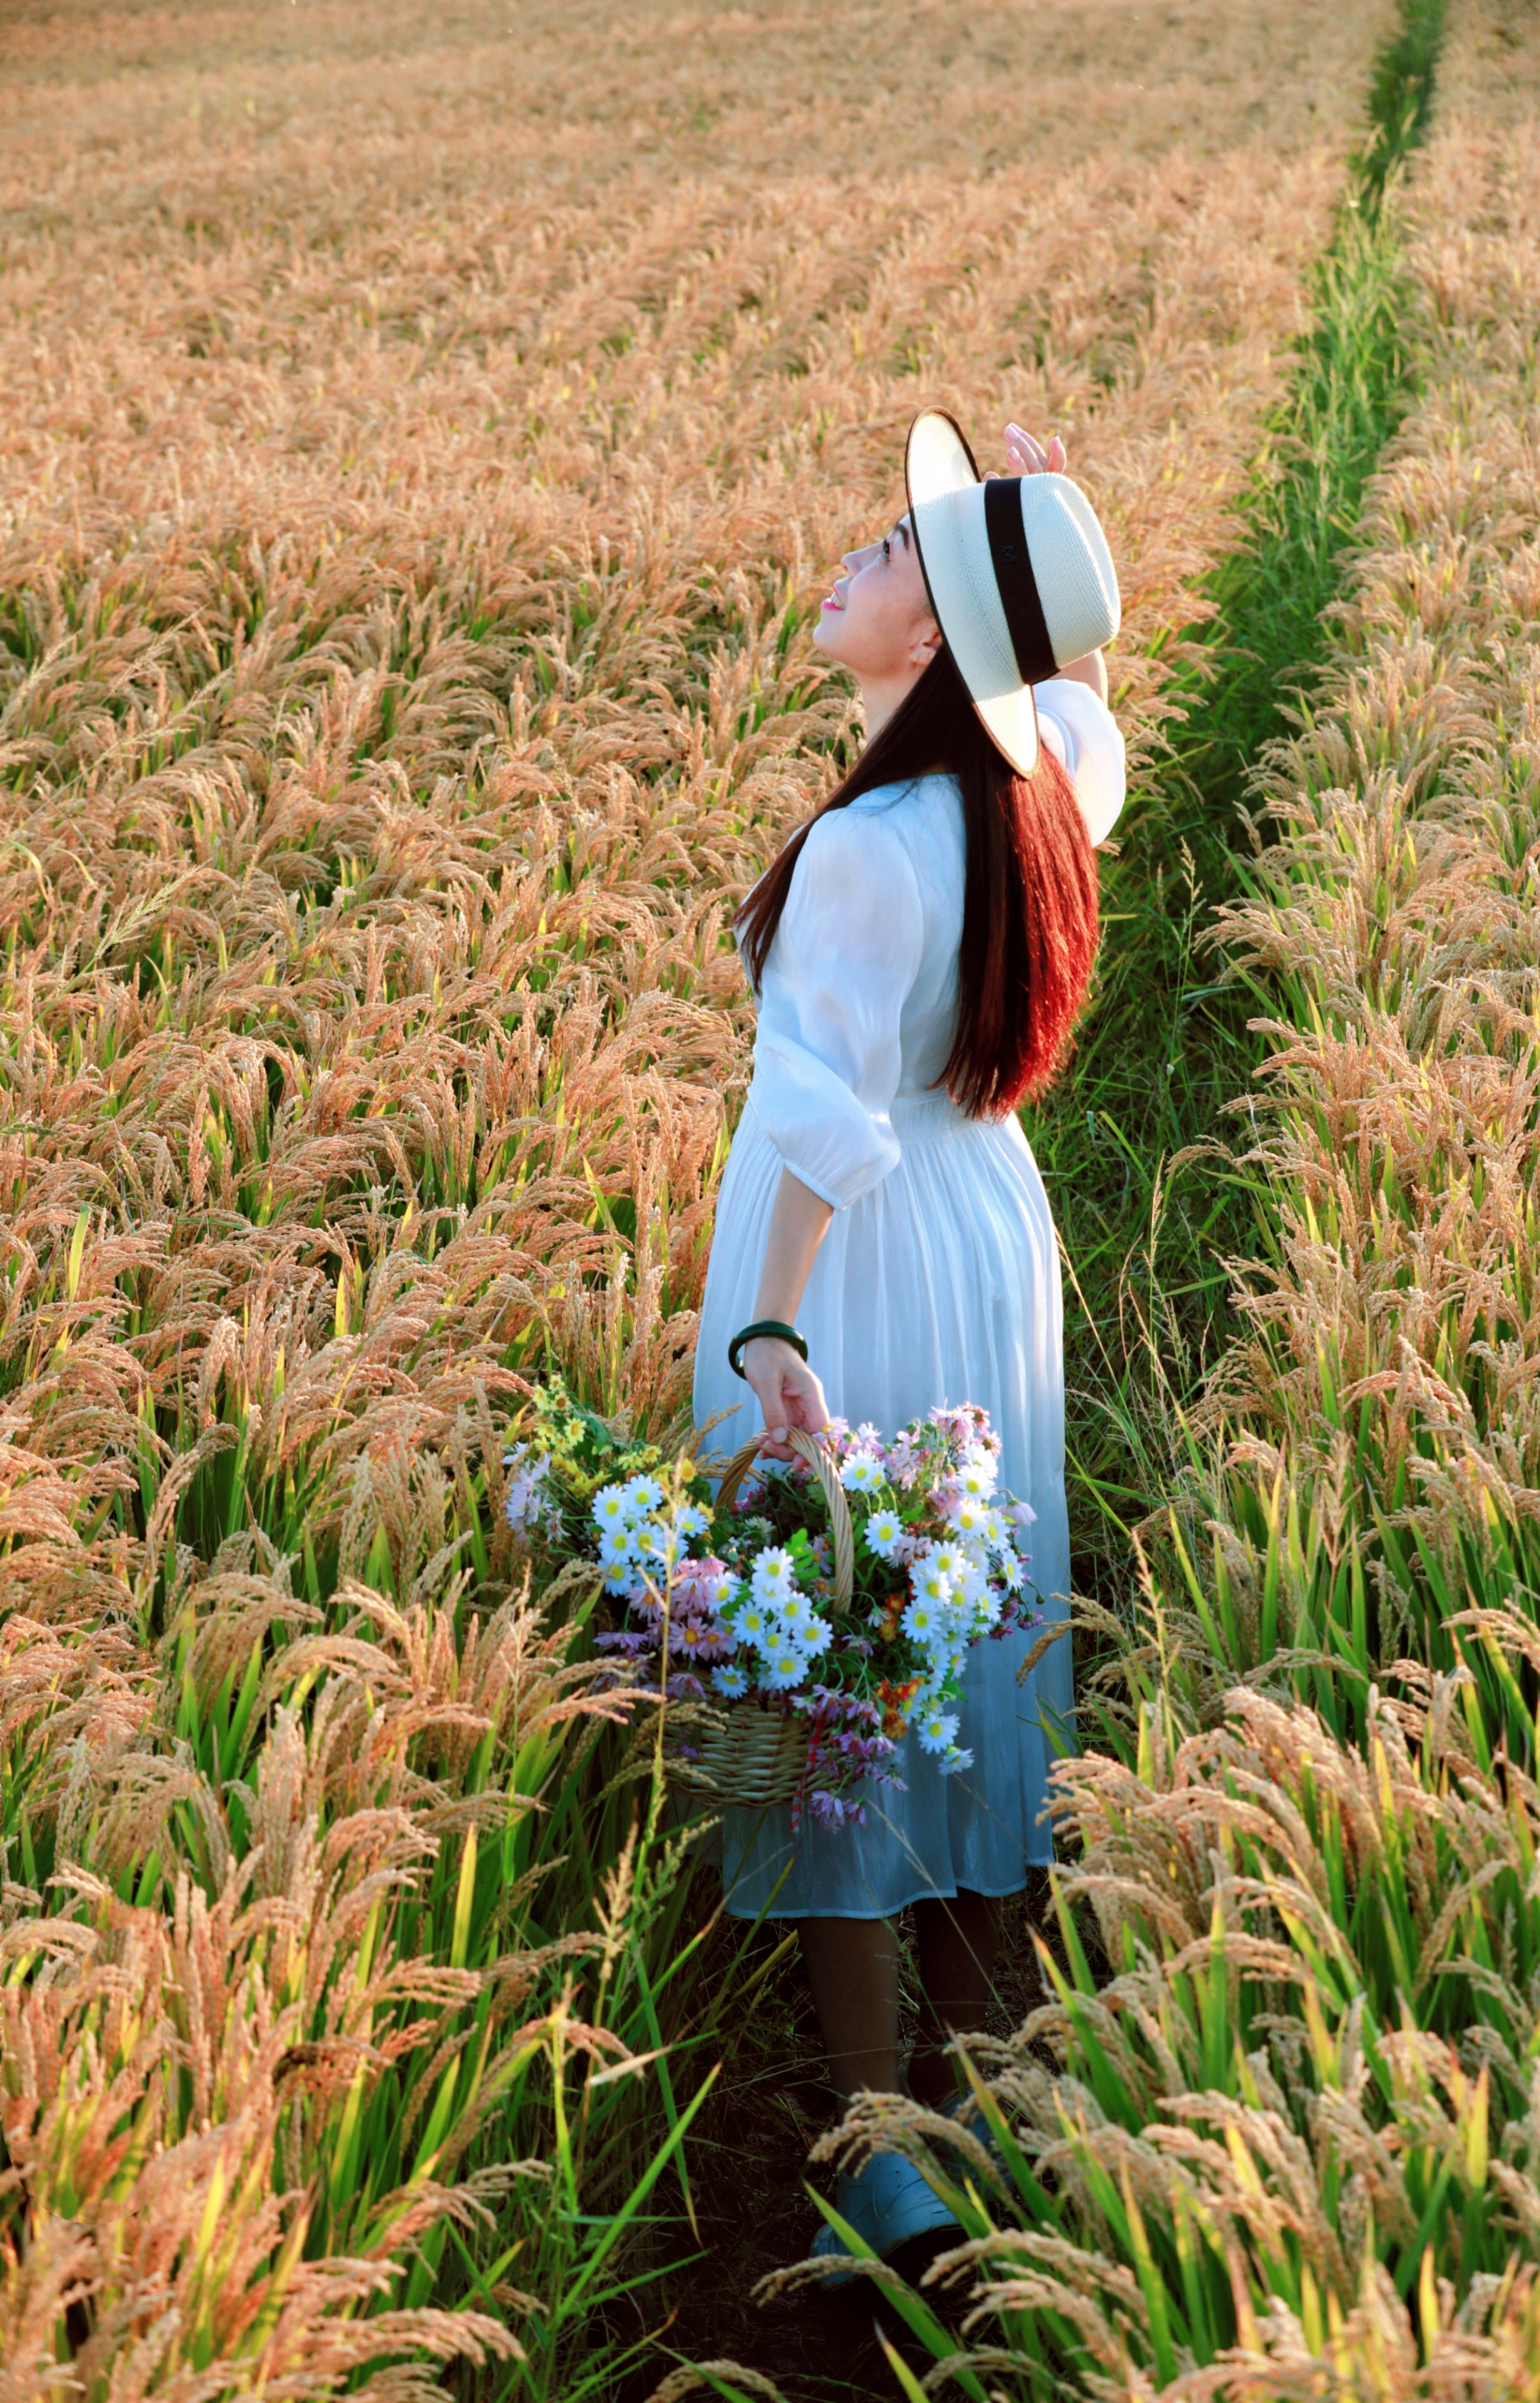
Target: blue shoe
{"x":886,"y":2203}
{"x":963,"y":2112}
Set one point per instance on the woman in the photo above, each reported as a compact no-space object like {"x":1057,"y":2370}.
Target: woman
{"x":883,"y":1244}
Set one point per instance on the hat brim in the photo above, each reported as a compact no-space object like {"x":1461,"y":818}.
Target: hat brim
{"x":938,"y":462}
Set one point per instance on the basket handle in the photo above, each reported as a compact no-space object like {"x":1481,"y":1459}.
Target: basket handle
{"x":820,"y":1461}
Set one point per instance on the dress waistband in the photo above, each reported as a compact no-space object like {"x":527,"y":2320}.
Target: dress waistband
{"x":923,"y":1118}
{"x":920,"y":1117}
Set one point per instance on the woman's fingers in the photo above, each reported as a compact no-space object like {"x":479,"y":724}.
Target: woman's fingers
{"x":1031,"y":457}
{"x":803,"y":1396}
{"x":767,"y":1384}
{"x":1025,"y":449}
{"x":789,"y":1396}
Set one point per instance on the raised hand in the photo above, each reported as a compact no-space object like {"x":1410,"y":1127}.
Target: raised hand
{"x":1029,"y":457}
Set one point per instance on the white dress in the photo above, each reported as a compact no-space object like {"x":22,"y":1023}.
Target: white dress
{"x":937,"y":1282}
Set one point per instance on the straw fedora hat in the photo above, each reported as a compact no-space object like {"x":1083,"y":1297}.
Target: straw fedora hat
{"x":1019,"y":573}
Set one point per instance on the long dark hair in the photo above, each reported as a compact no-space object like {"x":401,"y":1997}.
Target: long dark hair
{"x":1029,"y":909}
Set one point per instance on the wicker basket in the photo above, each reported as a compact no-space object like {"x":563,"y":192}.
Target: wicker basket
{"x":750,"y":1756}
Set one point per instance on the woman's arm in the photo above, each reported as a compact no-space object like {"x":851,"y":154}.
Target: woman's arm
{"x":785,"y":1388}
{"x":827,"y":1062}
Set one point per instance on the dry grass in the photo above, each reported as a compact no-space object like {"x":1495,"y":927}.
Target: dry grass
{"x":1490,"y":74}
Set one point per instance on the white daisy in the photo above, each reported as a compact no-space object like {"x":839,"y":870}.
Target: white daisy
{"x":967,"y":1588}
{"x":729,"y":1681}
{"x":784,"y":1665}
{"x":928,"y":1583}
{"x":774,"y":1576}
{"x":619,"y":1561}
{"x":883,"y":1531}
{"x":861,"y":1473}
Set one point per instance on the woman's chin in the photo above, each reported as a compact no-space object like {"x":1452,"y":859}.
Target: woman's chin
{"x":826,"y":633}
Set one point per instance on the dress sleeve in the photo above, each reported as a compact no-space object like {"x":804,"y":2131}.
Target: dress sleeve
{"x":1083,"y":734}
{"x":826,"y":1057}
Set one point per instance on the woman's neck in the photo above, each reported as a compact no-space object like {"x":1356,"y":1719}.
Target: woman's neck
{"x":881,"y":697}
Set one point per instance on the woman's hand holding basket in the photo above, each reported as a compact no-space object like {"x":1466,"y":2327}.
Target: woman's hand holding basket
{"x":788,"y":1393}
{"x":842,"y":1589}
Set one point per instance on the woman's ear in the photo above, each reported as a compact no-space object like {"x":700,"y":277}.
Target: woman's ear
{"x":926,"y":643}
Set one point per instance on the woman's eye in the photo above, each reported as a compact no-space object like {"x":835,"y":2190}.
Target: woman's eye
{"x":887,"y":548}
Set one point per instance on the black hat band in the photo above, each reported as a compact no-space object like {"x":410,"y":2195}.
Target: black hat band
{"x":1018,"y":585}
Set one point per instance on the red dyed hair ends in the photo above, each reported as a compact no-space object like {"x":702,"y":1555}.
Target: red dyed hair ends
{"x":1029,"y":900}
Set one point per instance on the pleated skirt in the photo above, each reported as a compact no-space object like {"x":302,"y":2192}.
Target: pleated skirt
{"x":941,"y":1285}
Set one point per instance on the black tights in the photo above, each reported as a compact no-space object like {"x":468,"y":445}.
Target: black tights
{"x":853,"y":1968}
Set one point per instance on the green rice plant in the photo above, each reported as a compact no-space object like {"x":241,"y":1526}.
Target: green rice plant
{"x":384,"y":1943}
{"x":1291,"y":1593}
{"x":1381,"y":1381}
{"x":1307,"y":2082}
{"x":1401,"y":97}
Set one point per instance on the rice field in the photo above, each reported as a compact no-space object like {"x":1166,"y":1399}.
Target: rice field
{"x":425,"y":435}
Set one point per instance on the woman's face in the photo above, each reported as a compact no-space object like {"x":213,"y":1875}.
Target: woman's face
{"x":877,"y":621}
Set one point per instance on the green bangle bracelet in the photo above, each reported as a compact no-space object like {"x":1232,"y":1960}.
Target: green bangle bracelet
{"x":764,"y":1326}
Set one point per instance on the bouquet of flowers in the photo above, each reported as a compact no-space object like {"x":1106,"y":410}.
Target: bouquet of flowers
{"x":839,"y":1593}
